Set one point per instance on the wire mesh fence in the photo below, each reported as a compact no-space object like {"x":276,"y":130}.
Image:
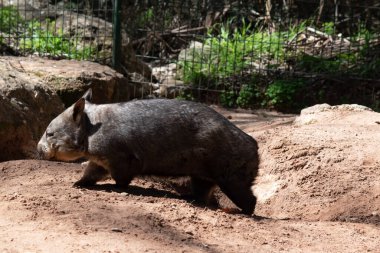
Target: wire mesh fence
{"x":250,"y":53}
{"x":264,"y":42}
{"x":59,"y":29}
{"x":238,"y":53}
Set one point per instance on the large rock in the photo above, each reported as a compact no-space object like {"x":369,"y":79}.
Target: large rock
{"x":167,"y":82}
{"x":26,"y":107}
{"x":70,"y":79}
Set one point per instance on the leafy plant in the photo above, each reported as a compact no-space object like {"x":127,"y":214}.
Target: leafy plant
{"x":227,"y":51}
{"x":247,"y":96}
{"x":282,"y":94}
{"x":367,"y":59}
{"x":228,"y":98}
{"x":328,"y":28}
{"x":9,"y":19}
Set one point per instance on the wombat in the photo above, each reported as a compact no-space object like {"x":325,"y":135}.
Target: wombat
{"x":157,"y":137}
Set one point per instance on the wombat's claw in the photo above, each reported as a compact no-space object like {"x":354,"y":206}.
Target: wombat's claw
{"x":81,"y":184}
{"x":76,"y":185}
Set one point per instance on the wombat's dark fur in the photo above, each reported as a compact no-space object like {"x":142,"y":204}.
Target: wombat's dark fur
{"x":156,"y":137}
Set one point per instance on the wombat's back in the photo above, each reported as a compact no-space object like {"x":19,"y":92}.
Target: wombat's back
{"x":171,"y":136}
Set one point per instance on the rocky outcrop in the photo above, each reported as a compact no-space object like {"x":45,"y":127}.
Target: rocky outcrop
{"x":70,"y":79}
{"x":168,"y":84}
{"x":26,"y":107}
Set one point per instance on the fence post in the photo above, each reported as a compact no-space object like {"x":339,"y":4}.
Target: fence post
{"x":116,"y":35}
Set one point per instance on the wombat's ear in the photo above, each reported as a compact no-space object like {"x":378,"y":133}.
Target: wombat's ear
{"x":88,"y":95}
{"x":78,"y":110}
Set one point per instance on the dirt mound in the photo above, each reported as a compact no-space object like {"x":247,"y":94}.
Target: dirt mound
{"x":325,"y":166}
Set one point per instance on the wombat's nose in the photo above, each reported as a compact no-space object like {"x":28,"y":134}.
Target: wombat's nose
{"x":40,"y":152}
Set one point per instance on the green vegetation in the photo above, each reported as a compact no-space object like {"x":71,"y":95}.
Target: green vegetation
{"x":42,"y":37}
{"x":69,"y":5}
{"x":146,"y":17}
{"x":37,"y":39}
{"x":231,"y":50}
{"x":351,"y":61}
{"x":234,"y":50}
{"x":9,"y":19}
{"x":228,"y":98}
{"x":247,"y":96}
{"x":312,"y":64}
{"x":283,"y":93}
{"x":328,"y":28}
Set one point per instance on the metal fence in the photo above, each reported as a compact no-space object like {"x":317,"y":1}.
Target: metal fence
{"x":59,"y":29}
{"x":205,"y":49}
{"x":234,"y":36}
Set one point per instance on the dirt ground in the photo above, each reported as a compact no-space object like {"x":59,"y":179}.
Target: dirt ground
{"x":318,"y":191}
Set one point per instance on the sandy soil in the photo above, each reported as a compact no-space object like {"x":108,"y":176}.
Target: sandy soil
{"x":318,"y":191}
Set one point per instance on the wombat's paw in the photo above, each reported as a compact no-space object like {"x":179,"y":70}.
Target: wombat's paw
{"x":123,"y":186}
{"x":82,"y":183}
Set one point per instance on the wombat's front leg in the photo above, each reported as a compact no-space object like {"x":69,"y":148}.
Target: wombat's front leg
{"x":202,"y":190}
{"x":92,"y":174}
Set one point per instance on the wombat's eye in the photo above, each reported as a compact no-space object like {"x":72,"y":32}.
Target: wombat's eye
{"x":49,"y":134}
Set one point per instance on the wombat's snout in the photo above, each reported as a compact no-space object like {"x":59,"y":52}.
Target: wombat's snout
{"x":40,"y":152}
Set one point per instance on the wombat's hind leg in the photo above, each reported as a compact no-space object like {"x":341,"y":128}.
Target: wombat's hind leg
{"x":92,"y":174}
{"x":241,"y":194}
{"x":202,"y":189}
